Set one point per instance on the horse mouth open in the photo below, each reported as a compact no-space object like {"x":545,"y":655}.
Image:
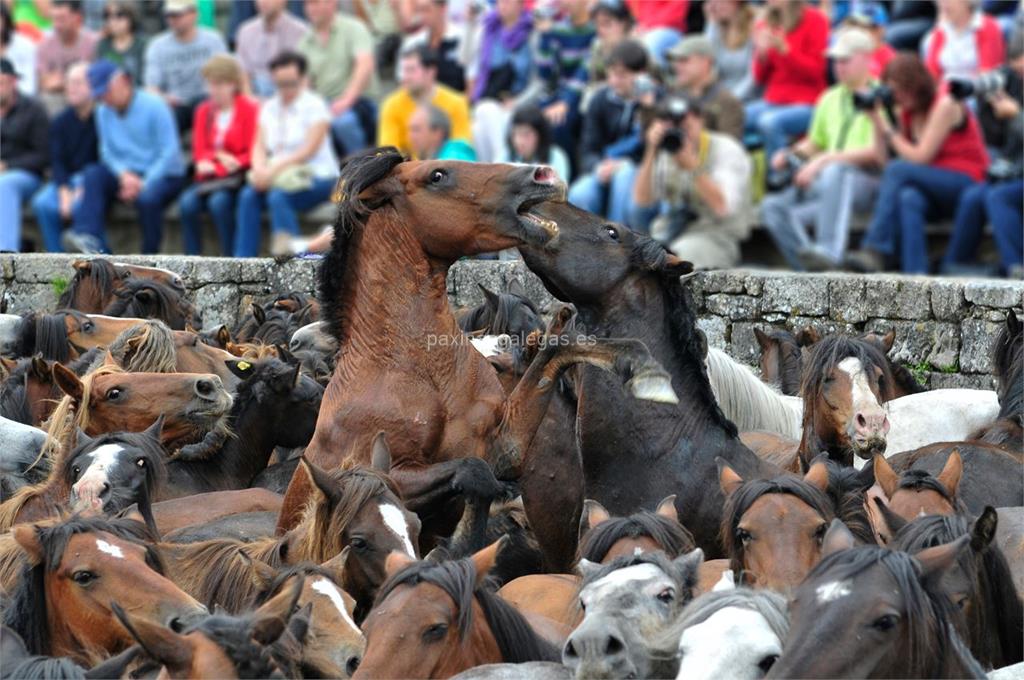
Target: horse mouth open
{"x":544,"y":186}
{"x":867,"y":448}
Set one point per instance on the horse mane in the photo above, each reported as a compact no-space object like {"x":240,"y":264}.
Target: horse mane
{"x":219,"y":571}
{"x":1008,"y":359}
{"x":749,"y":402}
{"x":517,"y":641}
{"x":101,"y":275}
{"x":46,"y":334}
{"x":306,"y":569}
{"x":739,"y":501}
{"x":846,"y":492}
{"x":995,"y":621}
{"x":13,"y":394}
{"x":146,"y":347}
{"x":934,"y":624}
{"x":358,"y":172}
{"x":671,"y":536}
{"x":497,"y":319}
{"x":26,"y":611}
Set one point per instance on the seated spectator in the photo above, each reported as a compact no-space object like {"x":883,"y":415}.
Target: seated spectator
{"x":222,"y":139}
{"x":429,"y":132}
{"x":19,"y":50}
{"x":612,"y":141}
{"x":443,"y":37}
{"x":293,"y":164}
{"x":419,"y":85}
{"x":339,"y":51}
{"x":909,"y":20}
{"x":693,"y":60}
{"x":838,"y":166}
{"x":73,"y":147}
{"x":728,"y":26}
{"x":660,"y":24}
{"x":873,"y":21}
{"x":122,"y":44}
{"x":23,"y":154}
{"x":67,"y":43}
{"x":964,"y":42}
{"x":175,"y":58}
{"x":243,"y":10}
{"x":612,"y":24}
{"x":999,"y":200}
{"x":789,"y":62}
{"x":530,"y":142}
{"x":387,"y":20}
{"x":272,"y":31}
{"x":699,"y":186}
{"x":140,"y":162}
{"x":938,"y":154}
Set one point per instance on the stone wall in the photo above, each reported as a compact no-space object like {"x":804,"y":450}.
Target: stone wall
{"x":944,"y":327}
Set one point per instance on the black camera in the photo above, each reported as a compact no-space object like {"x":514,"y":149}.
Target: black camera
{"x":779,"y":179}
{"x":880,"y":94}
{"x":982,"y":86}
{"x":673,"y":110}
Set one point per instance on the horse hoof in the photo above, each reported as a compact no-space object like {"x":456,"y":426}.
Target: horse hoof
{"x":653,"y":387}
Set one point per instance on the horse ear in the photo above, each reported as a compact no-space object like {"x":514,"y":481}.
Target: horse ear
{"x":82,"y":265}
{"x":259,"y":314}
{"x":837,"y":538}
{"x":396,"y":562}
{"x":240,"y":368}
{"x":728,"y":478}
{"x":336,"y":565}
{"x":586,"y":568}
{"x":885,"y":476}
{"x":380,"y":458}
{"x":1013,"y":326}
{"x":27,"y":536}
{"x":593,"y":514}
{"x":675,"y":266}
{"x":951,"y":473}
{"x":885,"y":523}
{"x":223,"y":336}
{"x":81,"y":438}
{"x":262,"y":573}
{"x":108,"y":359}
{"x":667,"y":508}
{"x":888,"y":340}
{"x":284,"y":355}
{"x":817,"y":476}
{"x":271,"y":619}
{"x":145,"y":296}
{"x":162,"y":644}
{"x":321,"y":480}
{"x":68,"y":382}
{"x":485,"y":559}
{"x":807,"y":336}
{"x":688,"y":565}
{"x":41,"y":369}
{"x":8,"y":364}
{"x":516,"y":287}
{"x":984,"y":529}
{"x":155,"y":430}
{"x":490,"y":297}
{"x":936,"y":560}
{"x":762,"y":339}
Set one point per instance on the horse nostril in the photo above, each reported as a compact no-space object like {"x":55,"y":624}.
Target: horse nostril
{"x":205,"y":387}
{"x":105,"y":490}
{"x":543,"y":174}
{"x":570,"y":651}
{"x":613,"y":646}
{"x":861,"y":420}
{"x":176,"y":625}
{"x":352,"y":664}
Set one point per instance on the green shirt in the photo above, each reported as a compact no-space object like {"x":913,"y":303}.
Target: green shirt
{"x":331,"y":65}
{"x":834,"y":112}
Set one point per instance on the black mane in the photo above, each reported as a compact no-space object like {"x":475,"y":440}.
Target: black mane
{"x":922,"y":480}
{"x":357,"y":173}
{"x":1008,"y":359}
{"x":829,"y":352}
{"x":47,"y":334}
{"x":162,"y":302}
{"x":101,"y":273}
{"x":672,"y":536}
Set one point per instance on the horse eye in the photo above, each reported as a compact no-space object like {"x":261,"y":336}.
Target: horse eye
{"x":744,"y":536}
{"x":114,"y":393}
{"x":819,"y":533}
{"x":612,"y":232}
{"x":437,"y":176}
{"x":88,"y":326}
{"x":885,"y":623}
{"x":435,"y":632}
{"x":767,"y":662}
{"x":83,"y":578}
{"x":583,"y":606}
{"x":666,"y":596}
{"x":141,"y":462}
{"x":77,"y":470}
{"x":359,"y":543}
{"x":962,"y":602}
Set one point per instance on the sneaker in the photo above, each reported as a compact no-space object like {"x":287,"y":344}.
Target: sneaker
{"x":76,"y":242}
{"x":865,"y":261}
{"x":814,"y":260}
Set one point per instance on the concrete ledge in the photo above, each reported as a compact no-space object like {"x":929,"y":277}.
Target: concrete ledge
{"x":945,"y":327}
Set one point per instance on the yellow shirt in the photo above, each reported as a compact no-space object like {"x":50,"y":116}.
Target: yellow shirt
{"x":399,"y":107}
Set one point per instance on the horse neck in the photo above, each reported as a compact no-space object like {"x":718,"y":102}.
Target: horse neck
{"x":479,"y":648}
{"x":247,"y":453}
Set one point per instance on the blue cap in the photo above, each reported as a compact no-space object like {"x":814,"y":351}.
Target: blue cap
{"x":100,"y":74}
{"x":869,"y":15}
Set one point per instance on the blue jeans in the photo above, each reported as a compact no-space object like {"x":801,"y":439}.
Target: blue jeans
{"x":995,"y":204}
{"x":347,"y":130}
{"x":16,"y":186}
{"x":46,"y":206}
{"x":589,"y":194}
{"x":660,"y":40}
{"x":776,"y":124}
{"x":221,"y":205}
{"x":283,"y":207}
{"x":909,"y":195}
{"x":100,"y":189}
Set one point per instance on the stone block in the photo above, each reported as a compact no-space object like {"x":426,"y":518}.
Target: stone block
{"x":897,"y":297}
{"x":744,"y":347}
{"x":938,"y":381}
{"x":795,"y":294}
{"x":219,"y":304}
{"x":846,"y":300}
{"x":995,"y":293}
{"x":734,"y":307}
{"x":916,"y":341}
{"x":722,"y":281}
{"x":32,"y":297}
{"x":714,"y":328}
{"x":948,"y":302}
{"x":976,"y":338}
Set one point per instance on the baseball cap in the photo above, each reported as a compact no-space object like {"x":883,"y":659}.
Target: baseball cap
{"x":7,"y":68}
{"x":849,"y":42}
{"x":869,"y":16}
{"x":178,"y":6}
{"x":100,"y":74}
{"x":691,"y":46}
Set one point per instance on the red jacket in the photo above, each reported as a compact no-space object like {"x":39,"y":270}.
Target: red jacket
{"x":238,"y":140}
{"x":798,"y":76}
{"x":659,"y":13}
{"x":988,"y":40}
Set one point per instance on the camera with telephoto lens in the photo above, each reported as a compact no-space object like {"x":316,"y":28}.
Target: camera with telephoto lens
{"x":982,"y":86}
{"x":673,"y":110}
{"x":880,"y":94}
{"x":780,"y":179}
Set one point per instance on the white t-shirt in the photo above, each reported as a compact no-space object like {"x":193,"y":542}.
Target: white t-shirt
{"x":284,"y":130}
{"x":21,"y":52}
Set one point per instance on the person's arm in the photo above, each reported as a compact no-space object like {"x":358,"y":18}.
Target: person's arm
{"x":202,"y":145}
{"x":248,"y":124}
{"x":643,"y":185}
{"x":165,"y":137}
{"x":948,"y":114}
{"x":315,"y":135}
{"x":106,"y":135}
{"x":258,"y":160}
{"x":807,"y":59}
{"x":37,"y":155}
{"x":362,"y":72}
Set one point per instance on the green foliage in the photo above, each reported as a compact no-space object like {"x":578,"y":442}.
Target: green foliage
{"x":60,"y":284}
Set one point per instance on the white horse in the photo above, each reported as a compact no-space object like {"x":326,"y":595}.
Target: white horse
{"x":20,"y":447}
{"x":916,"y":420}
{"x":10,"y":327}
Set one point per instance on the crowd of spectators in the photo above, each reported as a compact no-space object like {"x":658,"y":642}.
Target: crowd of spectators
{"x":690,"y":120}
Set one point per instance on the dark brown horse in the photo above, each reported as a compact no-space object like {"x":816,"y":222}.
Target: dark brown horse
{"x":782,"y":356}
{"x":403,"y":367}
{"x":873,"y":612}
{"x":1008,"y":359}
{"x":96,"y":281}
{"x":149,"y":299}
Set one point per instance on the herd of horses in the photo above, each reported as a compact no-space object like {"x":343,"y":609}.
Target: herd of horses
{"x":587,"y":492}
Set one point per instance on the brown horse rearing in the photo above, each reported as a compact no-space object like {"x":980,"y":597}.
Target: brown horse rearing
{"x":400,"y":226}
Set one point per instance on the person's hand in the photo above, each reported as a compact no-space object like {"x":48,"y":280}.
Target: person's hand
{"x":688,"y":157}
{"x":605,"y":170}
{"x":763,"y":40}
{"x":1003,"y":105}
{"x":779,"y":43}
{"x":131,"y":186}
{"x":779,"y":159}
{"x":171,"y":100}
{"x":655,"y":133}
{"x":205,"y":167}
{"x":341,"y":105}
{"x":228,"y":161}
{"x":52,"y":81}
{"x":65,"y":201}
{"x":3,"y":166}
{"x":809,"y":171}
{"x":261,"y":178}
{"x":556,"y":113}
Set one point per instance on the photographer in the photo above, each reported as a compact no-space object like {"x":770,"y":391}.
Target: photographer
{"x":697,"y":181}
{"x":998,"y":201}
{"x":939,"y":153}
{"x":833,"y":170}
